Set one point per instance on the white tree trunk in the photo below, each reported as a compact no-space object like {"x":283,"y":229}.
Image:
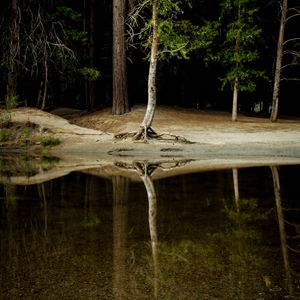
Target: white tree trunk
{"x":235,"y":99}
{"x":149,"y":115}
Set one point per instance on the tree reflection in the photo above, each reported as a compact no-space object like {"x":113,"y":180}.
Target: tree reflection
{"x":236,"y":187}
{"x":42,"y":195}
{"x":145,"y":171}
{"x":282,"y":232}
{"x":120,"y":216}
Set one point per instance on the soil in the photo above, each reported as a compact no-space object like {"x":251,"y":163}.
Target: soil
{"x":87,"y":139}
{"x":195,"y":125}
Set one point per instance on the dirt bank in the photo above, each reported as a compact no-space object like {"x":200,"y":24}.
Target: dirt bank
{"x":87,"y":142}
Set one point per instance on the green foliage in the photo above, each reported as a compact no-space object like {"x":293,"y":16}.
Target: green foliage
{"x":68,"y":12}
{"x":48,"y":161}
{"x":11,"y":102}
{"x":24,"y":137}
{"x":5,"y":115}
{"x":50,"y":141}
{"x":71,"y":21}
{"x":4,"y":135}
{"x":178,"y":37}
{"x":90,"y":73}
{"x":5,"y":119}
{"x":181,"y":38}
{"x":239,"y":52}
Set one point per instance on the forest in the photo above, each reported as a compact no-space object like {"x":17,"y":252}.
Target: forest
{"x":241,"y":55}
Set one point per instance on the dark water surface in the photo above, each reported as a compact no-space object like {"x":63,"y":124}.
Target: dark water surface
{"x":85,"y":237}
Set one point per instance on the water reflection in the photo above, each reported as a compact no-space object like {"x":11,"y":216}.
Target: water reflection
{"x":120,"y":215}
{"x":209,"y":235}
{"x":282,"y":232}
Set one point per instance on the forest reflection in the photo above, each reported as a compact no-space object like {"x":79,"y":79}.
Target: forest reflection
{"x":66,"y":238}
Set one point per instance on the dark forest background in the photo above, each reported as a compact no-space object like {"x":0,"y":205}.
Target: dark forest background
{"x":78,"y":36}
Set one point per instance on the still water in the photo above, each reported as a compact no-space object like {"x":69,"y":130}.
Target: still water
{"x":224,"y":234}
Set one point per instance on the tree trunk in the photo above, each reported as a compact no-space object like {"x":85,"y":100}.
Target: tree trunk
{"x":120,"y":98}
{"x":45,"y":84}
{"x":147,"y":122}
{"x":275,"y":100}
{"x":235,"y":99}
{"x":11,"y":89}
{"x":236,"y":80}
{"x":92,"y":54}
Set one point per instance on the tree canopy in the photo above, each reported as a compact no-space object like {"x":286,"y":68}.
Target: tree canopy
{"x":59,"y":53}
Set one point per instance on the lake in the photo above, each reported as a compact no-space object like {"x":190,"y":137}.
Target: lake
{"x":228,"y":233}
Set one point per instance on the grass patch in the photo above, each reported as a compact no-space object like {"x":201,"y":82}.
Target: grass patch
{"x":50,"y":141}
{"x":4,"y":135}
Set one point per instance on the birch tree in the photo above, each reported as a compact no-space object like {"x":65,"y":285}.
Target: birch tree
{"x":170,"y":37}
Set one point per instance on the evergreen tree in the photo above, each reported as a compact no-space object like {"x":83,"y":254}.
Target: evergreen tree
{"x":239,"y":50}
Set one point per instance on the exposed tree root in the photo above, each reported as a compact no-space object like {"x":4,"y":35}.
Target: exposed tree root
{"x":146,"y":133}
{"x":146,"y":168}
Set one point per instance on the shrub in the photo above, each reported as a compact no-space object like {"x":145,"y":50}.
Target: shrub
{"x":50,"y":141}
{"x":4,"y":135}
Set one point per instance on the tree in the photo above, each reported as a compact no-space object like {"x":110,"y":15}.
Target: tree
{"x":120,"y":96}
{"x":13,"y":52}
{"x":92,"y":55}
{"x":170,"y":37}
{"x":146,"y":129}
{"x":275,"y":99}
{"x":239,"y":51}
{"x":281,"y":43}
{"x":40,"y":42}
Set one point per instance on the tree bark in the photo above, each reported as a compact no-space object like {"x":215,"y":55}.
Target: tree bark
{"x":275,"y":100}
{"x":149,"y":115}
{"x":45,"y":84}
{"x":92,"y":54}
{"x":235,"y":99}
{"x":11,"y":89}
{"x":236,"y":80}
{"x":120,"y":95}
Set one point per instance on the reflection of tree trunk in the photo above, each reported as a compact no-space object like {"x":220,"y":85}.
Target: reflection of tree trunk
{"x":42,"y":194}
{"x":11,"y":247}
{"x":236,"y":188}
{"x":120,"y":214}
{"x":282,"y":232}
{"x":145,"y":170}
{"x":152,"y":200}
